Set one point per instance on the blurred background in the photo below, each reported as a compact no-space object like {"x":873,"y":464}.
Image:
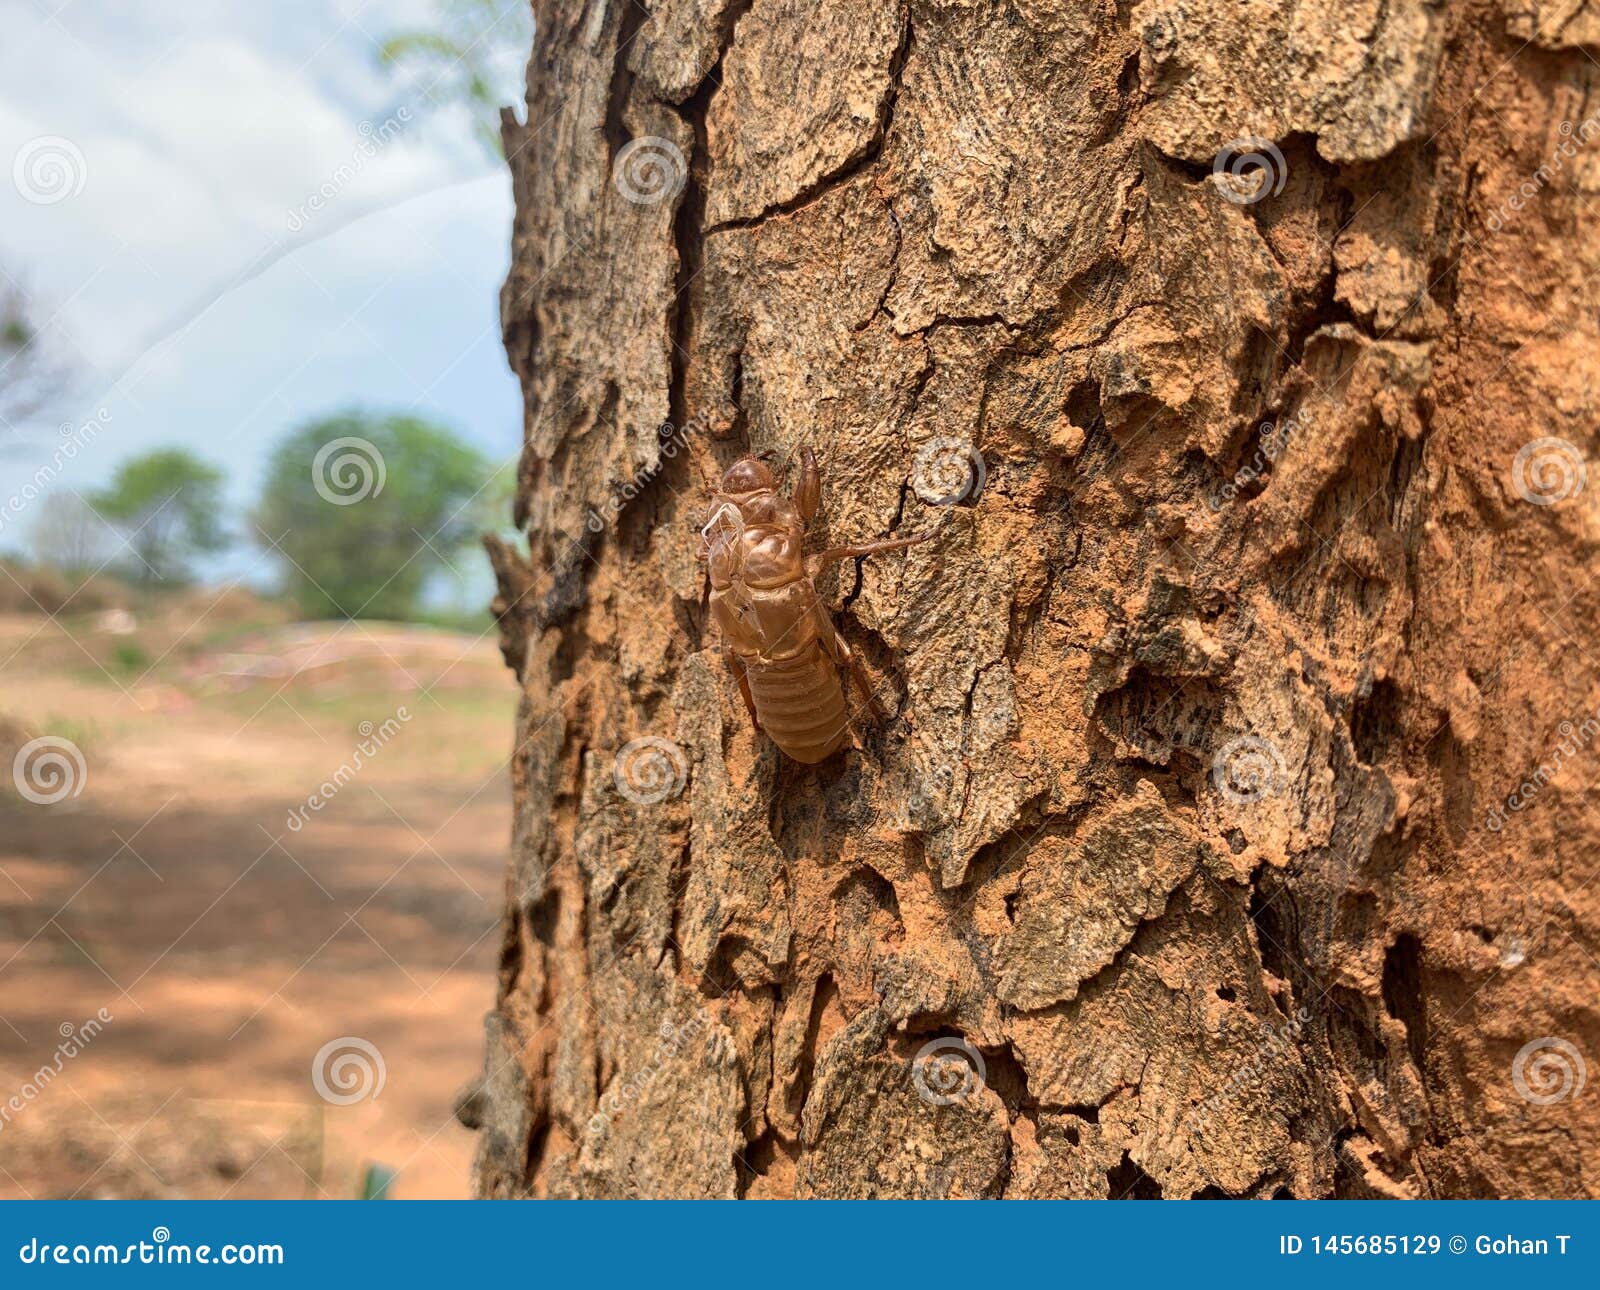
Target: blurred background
{"x":254,"y":417}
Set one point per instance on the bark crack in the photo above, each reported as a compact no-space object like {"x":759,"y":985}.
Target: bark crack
{"x":865,"y":157}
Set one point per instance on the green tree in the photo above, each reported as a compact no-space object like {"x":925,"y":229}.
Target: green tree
{"x":472,"y":54}
{"x":362,"y":509}
{"x":166,"y":505}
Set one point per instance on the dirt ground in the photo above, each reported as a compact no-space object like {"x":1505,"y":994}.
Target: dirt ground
{"x":228,"y":949}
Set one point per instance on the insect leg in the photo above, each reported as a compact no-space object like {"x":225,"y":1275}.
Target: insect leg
{"x":808,"y":488}
{"x":863,"y":682}
{"x":839,"y":650}
{"x":736,"y":666}
{"x":816,"y":563}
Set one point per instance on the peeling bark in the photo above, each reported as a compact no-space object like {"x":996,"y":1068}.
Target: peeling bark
{"x":1175,"y":871}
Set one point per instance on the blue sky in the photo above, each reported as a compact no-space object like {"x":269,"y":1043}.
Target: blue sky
{"x":202,"y":301}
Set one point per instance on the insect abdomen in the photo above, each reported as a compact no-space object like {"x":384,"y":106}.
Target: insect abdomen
{"x":800,"y":704}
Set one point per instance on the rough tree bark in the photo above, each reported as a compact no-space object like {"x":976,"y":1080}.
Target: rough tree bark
{"x":1184,"y":865}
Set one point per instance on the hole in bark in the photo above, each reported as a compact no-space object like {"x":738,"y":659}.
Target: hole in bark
{"x":1226,"y":993}
{"x":1375,"y":721}
{"x":616,"y":132}
{"x":543,"y":916}
{"x":1129,"y":1182}
{"x":762,"y":1160}
{"x":722,"y":973}
{"x":1407,"y":461}
{"x":511,"y":951}
{"x":1128,"y":78}
{"x":538,"y":1141}
{"x":1250,"y":461}
{"x":1402,"y":992}
{"x":1083,"y":404}
{"x":1004,"y":1074}
{"x":1272,"y":931}
{"x":867,"y":900}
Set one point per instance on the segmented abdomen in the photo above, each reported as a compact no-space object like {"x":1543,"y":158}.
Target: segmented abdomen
{"x":800,"y":703}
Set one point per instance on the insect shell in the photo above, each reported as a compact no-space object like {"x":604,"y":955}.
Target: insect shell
{"x":780,"y":642}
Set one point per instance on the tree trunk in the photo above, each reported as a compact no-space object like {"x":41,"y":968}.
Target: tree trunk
{"x":1226,"y":837}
